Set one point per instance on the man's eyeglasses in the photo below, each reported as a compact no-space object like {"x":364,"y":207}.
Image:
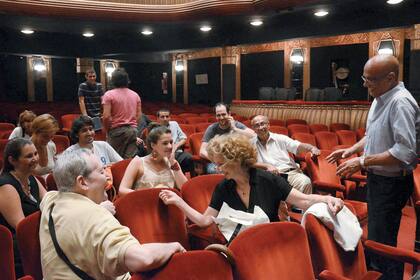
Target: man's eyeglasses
{"x":374,"y":80}
{"x":261,"y":124}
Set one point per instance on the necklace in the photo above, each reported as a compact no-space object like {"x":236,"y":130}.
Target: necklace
{"x":26,"y":188}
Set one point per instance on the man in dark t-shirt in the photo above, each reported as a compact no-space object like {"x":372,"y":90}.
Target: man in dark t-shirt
{"x":90,"y":94}
{"x":225,"y":124}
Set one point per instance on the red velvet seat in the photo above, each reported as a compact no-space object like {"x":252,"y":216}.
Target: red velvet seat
{"x":62,"y":142}
{"x":197,"y":193}
{"x":195,"y":120}
{"x":247,"y":123}
{"x":360,"y":132}
{"x":4,"y":134}
{"x":195,"y":142}
{"x":317,"y":127}
{"x":272,"y":251}
{"x":149,"y":219}
{"x":203,"y":265}
{"x":277,"y":122}
{"x":188,"y":129}
{"x":6,"y":126}
{"x":117,"y":171}
{"x":67,"y":121}
{"x":27,"y":235}
{"x":326,"y":140}
{"x":201,"y":127}
{"x":346,"y":137}
{"x":179,"y":120}
{"x":298,"y":128}
{"x":187,"y":115}
{"x":211,"y":119}
{"x":339,"y":126}
{"x":51,"y":185}
{"x":295,"y":121}
{"x":279,"y":129}
{"x":7,"y":263}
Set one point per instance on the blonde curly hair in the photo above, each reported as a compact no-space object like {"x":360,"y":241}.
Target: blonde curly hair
{"x":233,"y":148}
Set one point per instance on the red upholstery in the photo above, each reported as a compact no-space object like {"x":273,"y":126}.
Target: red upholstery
{"x":211,"y":119}
{"x":339,"y":126}
{"x":206,"y":115}
{"x":67,"y":121}
{"x":194,"y":120}
{"x":7,"y":263}
{"x":295,"y":121}
{"x":201,"y":127}
{"x":6,"y":126}
{"x":272,"y":251}
{"x":326,"y":253}
{"x":298,"y":128}
{"x":149,"y":219}
{"x":195,"y":142}
{"x":62,"y":142}
{"x":197,"y":193}
{"x":279,"y":130}
{"x":247,"y":123}
{"x":203,"y":265}
{"x":50,"y":183}
{"x":27,"y":235}
{"x":117,"y":171}
{"x":317,"y":127}
{"x":100,"y":135}
{"x":4,"y":134}
{"x":277,"y":122}
{"x":179,"y":120}
{"x":326,"y":140}
{"x":360,"y":133}
{"x":152,"y":117}
{"x":305,"y":138}
{"x":346,"y":137}
{"x":187,"y":115}
{"x":188,"y":129}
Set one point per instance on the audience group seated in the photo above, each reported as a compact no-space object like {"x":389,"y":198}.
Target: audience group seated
{"x":259,"y":174}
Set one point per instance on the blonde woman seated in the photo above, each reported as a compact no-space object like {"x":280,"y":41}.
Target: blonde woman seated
{"x":24,"y":128}
{"x":245,"y":187}
{"x":158,"y":169}
{"x":44,"y":127}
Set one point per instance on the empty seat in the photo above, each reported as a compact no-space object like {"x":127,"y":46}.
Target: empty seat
{"x":62,"y":142}
{"x":298,"y":128}
{"x":6,"y":126}
{"x":339,"y":126}
{"x":326,"y":140}
{"x":295,"y":121}
{"x":346,"y":137}
{"x":67,"y":121}
{"x":277,"y":122}
{"x":313,"y":94}
{"x":195,"y":120}
{"x":266,"y":93}
{"x":317,"y":127}
{"x":280,"y":93}
{"x":360,"y":132}
{"x":188,"y":129}
{"x":279,"y":129}
{"x":201,"y":127}
{"x":7,"y":263}
{"x":332,"y":94}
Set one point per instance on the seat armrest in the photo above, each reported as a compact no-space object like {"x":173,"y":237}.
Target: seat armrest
{"x":398,"y":254}
{"x":328,"y":187}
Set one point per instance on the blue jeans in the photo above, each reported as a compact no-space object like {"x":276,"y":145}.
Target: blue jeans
{"x":386,"y":197}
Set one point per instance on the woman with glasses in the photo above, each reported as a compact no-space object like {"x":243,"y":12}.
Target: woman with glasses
{"x":245,"y":187}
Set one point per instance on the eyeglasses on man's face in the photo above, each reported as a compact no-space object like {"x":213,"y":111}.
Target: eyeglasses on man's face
{"x":260,"y":124}
{"x":373,"y":80}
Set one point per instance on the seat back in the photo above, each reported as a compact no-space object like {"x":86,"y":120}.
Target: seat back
{"x":320,"y":170}
{"x":266,"y":93}
{"x":295,"y":128}
{"x":195,"y":142}
{"x":203,"y":265}
{"x":326,"y":140}
{"x":339,"y":126}
{"x":317,"y":127}
{"x":360,"y":132}
{"x":188,"y":129}
{"x":51,"y":185}
{"x":6,"y":126}
{"x":332,"y":94}
{"x":149,"y":219}
{"x":346,"y":137}
{"x":117,"y":171}
{"x":62,"y":142}
{"x":279,"y":129}
{"x":295,"y":121}
{"x":179,"y":120}
{"x":201,"y":127}
{"x":327,"y":254}
{"x":280,"y":93}
{"x":67,"y":121}
{"x":194,"y":120}
{"x":277,"y":122}
{"x":197,"y":191}
{"x":269,"y":251}
{"x":187,"y":115}
{"x":7,"y":263}
{"x":305,"y":138}
{"x":313,"y":94}
{"x":27,"y":234}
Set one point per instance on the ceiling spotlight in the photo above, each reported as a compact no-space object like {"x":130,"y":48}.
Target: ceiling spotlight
{"x":394,"y":2}
{"x":321,"y":13}
{"x":256,"y":22}
{"x":88,"y":34}
{"x":27,"y":31}
{"x":147,"y":32}
{"x":205,"y":28}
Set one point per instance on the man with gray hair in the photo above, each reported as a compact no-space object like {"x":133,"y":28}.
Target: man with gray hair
{"x":80,"y":237}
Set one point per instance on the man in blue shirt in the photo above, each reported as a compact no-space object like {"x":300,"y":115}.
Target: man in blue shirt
{"x":390,"y":155}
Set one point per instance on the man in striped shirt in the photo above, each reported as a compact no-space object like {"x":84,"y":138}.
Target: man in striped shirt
{"x":90,"y":94}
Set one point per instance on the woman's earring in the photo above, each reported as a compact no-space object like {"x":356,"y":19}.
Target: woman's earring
{"x":154,"y":155}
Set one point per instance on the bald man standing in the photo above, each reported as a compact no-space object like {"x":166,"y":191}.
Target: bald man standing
{"x":390,"y":155}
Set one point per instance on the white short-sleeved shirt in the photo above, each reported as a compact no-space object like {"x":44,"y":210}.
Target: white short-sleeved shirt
{"x":276,"y":151}
{"x":102,"y":150}
{"x":17,"y":132}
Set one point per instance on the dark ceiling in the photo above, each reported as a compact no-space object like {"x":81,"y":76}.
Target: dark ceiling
{"x":122,"y":39}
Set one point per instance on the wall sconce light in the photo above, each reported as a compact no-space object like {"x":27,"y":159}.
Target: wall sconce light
{"x":179,"y":65}
{"x":386,"y":46}
{"x":296,"y":56}
{"x":39,"y":64}
{"x":109,"y":68}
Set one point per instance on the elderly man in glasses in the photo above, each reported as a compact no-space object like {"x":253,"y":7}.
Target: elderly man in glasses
{"x":390,"y":154}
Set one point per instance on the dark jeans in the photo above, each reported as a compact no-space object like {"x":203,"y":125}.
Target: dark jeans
{"x":386,"y":196}
{"x":185,"y":161}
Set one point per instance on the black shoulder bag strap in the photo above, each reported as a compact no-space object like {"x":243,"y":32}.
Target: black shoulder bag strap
{"x":82,"y":275}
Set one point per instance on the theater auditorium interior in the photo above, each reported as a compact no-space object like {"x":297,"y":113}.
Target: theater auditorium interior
{"x":300,"y":63}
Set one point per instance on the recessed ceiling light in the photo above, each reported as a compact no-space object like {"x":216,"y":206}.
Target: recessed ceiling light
{"x":27,"y":31}
{"x":321,"y":13}
{"x":256,"y":22}
{"x":88,"y":34}
{"x":205,"y":28}
{"x":147,"y":32}
{"x":394,"y":2}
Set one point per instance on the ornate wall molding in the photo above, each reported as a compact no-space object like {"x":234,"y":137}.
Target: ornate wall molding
{"x":348,"y":39}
